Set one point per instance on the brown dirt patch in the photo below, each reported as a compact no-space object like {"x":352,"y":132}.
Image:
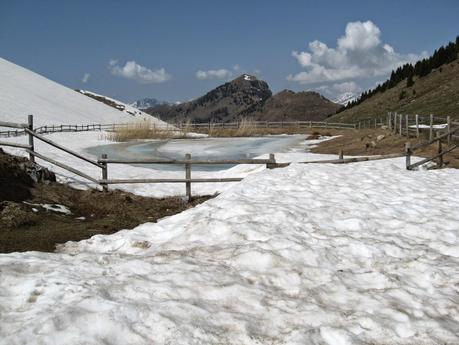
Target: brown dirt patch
{"x":365,"y":143}
{"x":26,"y":225}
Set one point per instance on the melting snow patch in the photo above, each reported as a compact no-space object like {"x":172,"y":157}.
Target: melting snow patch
{"x":51,"y":207}
{"x":308,"y":254}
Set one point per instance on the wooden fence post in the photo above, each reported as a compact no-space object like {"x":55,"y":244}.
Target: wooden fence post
{"x":407,"y":126}
{"x":272,"y":164}
{"x":400,"y":116}
{"x":389,"y":124}
{"x":32,"y":147}
{"x":417,"y":126}
{"x":395,"y":123}
{"x":431,"y":127}
{"x":439,"y":150}
{"x":408,"y":155}
{"x":104,"y":172}
{"x":448,"y":121}
{"x":188,"y":176}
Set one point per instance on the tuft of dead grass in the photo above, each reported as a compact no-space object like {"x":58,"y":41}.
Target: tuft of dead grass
{"x":142,"y":129}
{"x":247,"y":128}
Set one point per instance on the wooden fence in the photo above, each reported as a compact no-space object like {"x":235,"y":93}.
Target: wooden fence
{"x":412,"y":126}
{"x":188,"y":162}
{"x":266,"y":124}
{"x":180,"y":126}
{"x":441,"y":151}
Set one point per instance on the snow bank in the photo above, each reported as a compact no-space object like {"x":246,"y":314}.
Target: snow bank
{"x":365,"y":253}
{"x":24,"y":92}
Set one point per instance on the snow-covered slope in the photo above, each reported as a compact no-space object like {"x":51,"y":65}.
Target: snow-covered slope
{"x":24,"y":92}
{"x":114,"y":103}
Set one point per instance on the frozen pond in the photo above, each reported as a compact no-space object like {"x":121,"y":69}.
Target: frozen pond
{"x":202,"y":148}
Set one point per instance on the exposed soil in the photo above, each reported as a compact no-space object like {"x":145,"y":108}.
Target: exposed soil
{"x":25,"y":224}
{"x":365,"y":143}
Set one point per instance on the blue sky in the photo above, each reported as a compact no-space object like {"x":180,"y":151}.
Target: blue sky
{"x":178,"y":50}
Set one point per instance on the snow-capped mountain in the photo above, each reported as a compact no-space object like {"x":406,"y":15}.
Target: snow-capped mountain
{"x":24,"y":92}
{"x":345,"y":98}
{"x":146,"y":103}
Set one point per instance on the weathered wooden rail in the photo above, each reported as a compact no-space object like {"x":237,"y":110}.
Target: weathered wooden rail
{"x":439,"y":157}
{"x":414,"y":125}
{"x":265,"y":125}
{"x":179,"y":126}
{"x":188,"y":162}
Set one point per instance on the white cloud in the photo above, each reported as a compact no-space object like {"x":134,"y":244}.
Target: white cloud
{"x":349,"y":86}
{"x":213,"y":74}
{"x":141,"y":74}
{"x":86,"y":77}
{"x":236,"y":67}
{"x":360,"y":53}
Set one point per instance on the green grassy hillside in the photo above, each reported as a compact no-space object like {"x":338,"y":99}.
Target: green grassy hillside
{"x":437,"y":93}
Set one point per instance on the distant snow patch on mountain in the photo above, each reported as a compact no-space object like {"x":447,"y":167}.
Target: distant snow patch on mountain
{"x":146,"y":103}
{"x":345,"y":98}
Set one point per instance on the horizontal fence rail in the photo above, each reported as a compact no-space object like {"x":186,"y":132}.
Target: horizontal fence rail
{"x":188,"y":162}
{"x":439,"y":157}
{"x":169,"y":127}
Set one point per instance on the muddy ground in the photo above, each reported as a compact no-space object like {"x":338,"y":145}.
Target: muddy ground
{"x":31,"y":218}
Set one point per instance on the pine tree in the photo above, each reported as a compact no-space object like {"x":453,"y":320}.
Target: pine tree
{"x":410,"y":81}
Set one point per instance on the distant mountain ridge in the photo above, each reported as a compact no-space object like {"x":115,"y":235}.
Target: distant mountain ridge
{"x":146,"y":103}
{"x":247,"y":96}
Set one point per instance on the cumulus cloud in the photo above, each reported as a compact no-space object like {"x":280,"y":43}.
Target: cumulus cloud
{"x":349,"y":86}
{"x":213,"y":74}
{"x":86,"y":77}
{"x":141,"y":74}
{"x":360,"y":53}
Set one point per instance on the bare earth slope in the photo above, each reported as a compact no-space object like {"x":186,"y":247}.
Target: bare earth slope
{"x":294,"y":106}
{"x":437,"y":93}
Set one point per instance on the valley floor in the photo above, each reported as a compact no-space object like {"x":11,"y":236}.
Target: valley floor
{"x":363,"y":253}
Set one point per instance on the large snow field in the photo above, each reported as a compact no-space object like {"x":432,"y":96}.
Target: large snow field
{"x":82,"y":141}
{"x":364,"y":253}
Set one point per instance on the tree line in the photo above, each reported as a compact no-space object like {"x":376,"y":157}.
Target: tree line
{"x":444,"y":55}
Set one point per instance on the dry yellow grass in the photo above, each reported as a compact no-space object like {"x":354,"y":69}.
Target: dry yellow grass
{"x":247,"y":128}
{"x":142,"y":129}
